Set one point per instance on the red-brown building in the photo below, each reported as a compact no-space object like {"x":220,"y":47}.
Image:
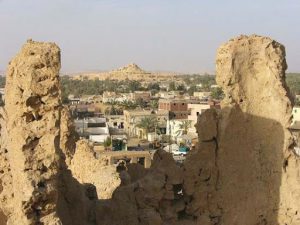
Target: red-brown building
{"x":178,"y":107}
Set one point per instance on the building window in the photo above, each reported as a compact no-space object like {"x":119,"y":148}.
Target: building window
{"x":182,"y":103}
{"x":198,"y":113}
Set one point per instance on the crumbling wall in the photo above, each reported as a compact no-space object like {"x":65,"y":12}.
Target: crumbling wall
{"x":155,"y":199}
{"x":243,"y":171}
{"x":37,"y":187}
{"x":68,"y":135}
{"x":5,"y":176}
{"x":31,"y":105}
{"x":87,"y":169}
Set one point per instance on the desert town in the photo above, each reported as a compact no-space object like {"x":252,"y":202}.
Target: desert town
{"x":141,"y":120}
{"x":161,"y":115}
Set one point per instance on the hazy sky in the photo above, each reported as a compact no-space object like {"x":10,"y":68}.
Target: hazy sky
{"x":168,"y":35}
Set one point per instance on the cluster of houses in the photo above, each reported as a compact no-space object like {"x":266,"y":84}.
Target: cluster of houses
{"x":173,"y":118}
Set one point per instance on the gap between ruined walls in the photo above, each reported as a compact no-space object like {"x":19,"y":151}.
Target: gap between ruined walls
{"x":227,"y":180}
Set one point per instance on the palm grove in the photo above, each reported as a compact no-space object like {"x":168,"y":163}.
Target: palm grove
{"x":190,"y":85}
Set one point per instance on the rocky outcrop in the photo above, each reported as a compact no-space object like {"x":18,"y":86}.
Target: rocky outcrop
{"x":130,"y":72}
{"x":244,"y":171}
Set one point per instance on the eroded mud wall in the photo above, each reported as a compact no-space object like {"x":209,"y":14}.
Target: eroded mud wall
{"x":32,"y":128}
{"x":244,"y":171}
{"x":37,"y":187}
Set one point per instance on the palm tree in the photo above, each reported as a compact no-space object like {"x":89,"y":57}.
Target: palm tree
{"x":126,"y":104}
{"x":154,"y":104}
{"x":141,"y":103}
{"x":148,"y":124}
{"x":184,"y":127}
{"x":112,"y":109}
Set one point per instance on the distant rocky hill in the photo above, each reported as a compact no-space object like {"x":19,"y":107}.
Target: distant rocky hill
{"x":130,"y":72}
{"x":130,"y":69}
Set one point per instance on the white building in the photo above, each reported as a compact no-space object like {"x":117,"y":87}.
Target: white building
{"x":202,"y":94}
{"x":94,"y":129}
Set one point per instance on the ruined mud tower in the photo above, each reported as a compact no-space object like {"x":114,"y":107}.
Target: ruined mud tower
{"x":243,"y":171}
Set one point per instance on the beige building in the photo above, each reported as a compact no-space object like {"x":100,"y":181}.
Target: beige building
{"x":113,"y":96}
{"x":202,"y":94}
{"x":168,"y":94}
{"x":91,"y":99}
{"x":133,"y":118}
{"x":115,"y":121}
{"x":296,"y":118}
{"x":194,"y":111}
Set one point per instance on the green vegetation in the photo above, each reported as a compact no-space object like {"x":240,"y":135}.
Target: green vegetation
{"x":192,"y":84}
{"x":2,"y":81}
{"x":293,"y":82}
{"x":153,"y":104}
{"x":217,"y":93}
{"x":107,"y":142}
{"x":127,"y":105}
{"x":148,"y":124}
{"x":113,"y":108}
{"x":205,"y":80}
{"x":184,"y":127}
{"x":97,"y":87}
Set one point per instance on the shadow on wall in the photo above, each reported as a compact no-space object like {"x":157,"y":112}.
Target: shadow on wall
{"x":3,"y":218}
{"x":238,"y":168}
{"x":232,"y":178}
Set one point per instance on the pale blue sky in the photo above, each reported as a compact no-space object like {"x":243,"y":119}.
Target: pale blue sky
{"x":168,"y":35}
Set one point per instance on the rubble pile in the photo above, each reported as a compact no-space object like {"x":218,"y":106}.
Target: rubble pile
{"x":243,"y":170}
